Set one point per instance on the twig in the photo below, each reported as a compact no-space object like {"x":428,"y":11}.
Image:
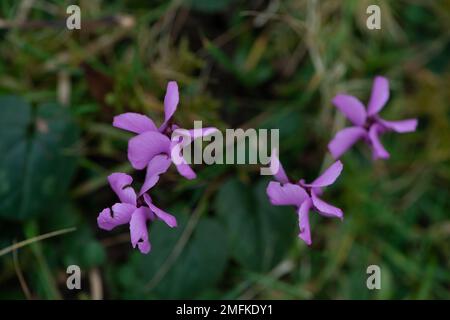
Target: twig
{"x":121,"y":20}
{"x":64,"y":88}
{"x":19,"y":274}
{"x":35,"y":239}
{"x":23,"y":11}
{"x":95,"y":281}
{"x":94,"y":48}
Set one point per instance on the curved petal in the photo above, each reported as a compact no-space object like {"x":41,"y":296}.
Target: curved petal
{"x":121,"y":214}
{"x":104,"y":220}
{"x":277,"y":169}
{"x":186,"y":171}
{"x":180,"y":162}
{"x":171,"y":100}
{"x":324,"y":208}
{"x":138,"y":230}
{"x":351,"y":107}
{"x":318,"y":191}
{"x":401,"y":126}
{"x":344,"y":140}
{"x":192,"y":134}
{"x":378,"y":151}
{"x":201,"y":132}
{"x":328,"y":177}
{"x":134,"y":122}
{"x":120,"y":183}
{"x":158,"y":165}
{"x":379,"y":95}
{"x":286,"y":194}
{"x":303,"y":222}
{"x":169,"y":219}
{"x":143,"y":147}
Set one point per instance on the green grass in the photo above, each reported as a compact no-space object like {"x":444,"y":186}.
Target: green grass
{"x":239,"y":64}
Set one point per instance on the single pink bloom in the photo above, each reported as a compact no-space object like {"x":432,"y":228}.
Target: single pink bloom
{"x":152,"y":147}
{"x":304,"y":196}
{"x":368,"y":125}
{"x":129,"y":211}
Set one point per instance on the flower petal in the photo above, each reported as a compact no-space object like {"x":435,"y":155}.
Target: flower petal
{"x":158,"y":165}
{"x":169,"y":219}
{"x":121,"y":214}
{"x":104,"y":220}
{"x":170,"y":102}
{"x":143,"y":147}
{"x":201,"y":132}
{"x":120,"y":183}
{"x":328,"y":177}
{"x":285,"y":194}
{"x":324,"y":208}
{"x":139,"y":231}
{"x":378,"y":151}
{"x":401,"y":126}
{"x":134,"y":122}
{"x":351,"y":107}
{"x":303,"y":218}
{"x":379,"y":95}
{"x":344,"y":140}
{"x":180,"y":162}
{"x":186,"y":171}
{"x":277,"y":169}
{"x":192,"y":134}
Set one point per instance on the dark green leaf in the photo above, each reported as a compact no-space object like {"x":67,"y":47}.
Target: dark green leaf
{"x":199,"y":266}
{"x":36,"y":164}
{"x":260,"y":234}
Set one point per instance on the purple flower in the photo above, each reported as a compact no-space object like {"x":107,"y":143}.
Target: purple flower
{"x":368,"y":125}
{"x":304,"y":196}
{"x":132,"y":210}
{"x":153,"y":147}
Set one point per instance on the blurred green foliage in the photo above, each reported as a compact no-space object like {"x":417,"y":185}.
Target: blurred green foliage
{"x":249,"y":64}
{"x":37,"y":165}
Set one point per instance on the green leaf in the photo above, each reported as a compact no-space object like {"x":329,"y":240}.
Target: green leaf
{"x":198,"y":268}
{"x":36,"y":164}
{"x":260,"y":234}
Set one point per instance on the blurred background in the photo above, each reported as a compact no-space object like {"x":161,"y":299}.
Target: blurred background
{"x":247,"y":64}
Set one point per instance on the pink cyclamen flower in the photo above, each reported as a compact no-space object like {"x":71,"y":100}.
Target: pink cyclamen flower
{"x":304,"y":196}
{"x":133,"y":210}
{"x":152,"y":147}
{"x":368,"y":125}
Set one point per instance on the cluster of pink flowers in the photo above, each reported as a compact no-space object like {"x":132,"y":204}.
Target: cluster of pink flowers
{"x":368,"y":125}
{"x":152,"y":149}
